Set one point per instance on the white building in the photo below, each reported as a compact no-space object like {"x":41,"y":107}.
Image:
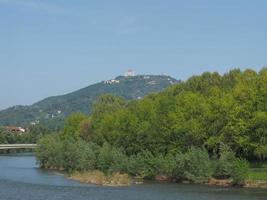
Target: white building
{"x":22,"y":129}
{"x":33,"y":123}
{"x":15,"y":129}
{"x":113,"y":81}
{"x":129,"y":73}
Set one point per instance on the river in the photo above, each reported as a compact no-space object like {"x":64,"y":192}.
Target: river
{"x":21,"y":179}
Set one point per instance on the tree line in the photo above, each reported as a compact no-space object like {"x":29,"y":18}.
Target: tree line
{"x":33,"y":134}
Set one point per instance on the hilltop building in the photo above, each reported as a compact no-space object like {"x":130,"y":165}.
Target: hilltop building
{"x":129,"y":73}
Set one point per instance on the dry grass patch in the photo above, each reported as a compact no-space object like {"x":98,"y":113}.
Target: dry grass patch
{"x":118,"y":179}
{"x":91,"y":177}
{"x":99,"y":178}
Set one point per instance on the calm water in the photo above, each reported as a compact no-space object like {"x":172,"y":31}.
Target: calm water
{"x":21,"y":179}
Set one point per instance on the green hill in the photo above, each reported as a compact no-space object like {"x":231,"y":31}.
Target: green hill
{"x":52,"y":111}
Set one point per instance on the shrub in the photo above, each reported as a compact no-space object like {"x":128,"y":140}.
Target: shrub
{"x":143,"y":165}
{"x":165,"y":165}
{"x":179,"y":168}
{"x":87,"y":157}
{"x":49,"y":152}
{"x":119,"y":161}
{"x":240,"y":172}
{"x":78,"y":155}
{"x":111,"y":159}
{"x":104,"y":158}
{"x":197,"y":165}
{"x":224,"y":165}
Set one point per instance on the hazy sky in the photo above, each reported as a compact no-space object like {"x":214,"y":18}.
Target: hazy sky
{"x":51,"y":47}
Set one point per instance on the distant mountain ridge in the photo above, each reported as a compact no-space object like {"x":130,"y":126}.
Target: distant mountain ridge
{"x":53,"y":110}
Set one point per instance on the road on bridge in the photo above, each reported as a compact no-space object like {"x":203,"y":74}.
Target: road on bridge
{"x":18,"y":146}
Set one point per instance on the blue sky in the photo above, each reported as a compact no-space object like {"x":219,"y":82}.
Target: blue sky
{"x":51,"y":47}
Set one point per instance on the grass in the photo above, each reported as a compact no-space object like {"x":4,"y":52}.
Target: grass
{"x":99,"y":178}
{"x":257,"y":176}
{"x":258,"y":173}
{"x":93,"y":177}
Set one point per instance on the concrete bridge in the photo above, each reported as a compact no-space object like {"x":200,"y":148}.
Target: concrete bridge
{"x":17,"y":146}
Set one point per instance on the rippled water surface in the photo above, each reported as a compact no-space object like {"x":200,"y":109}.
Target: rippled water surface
{"x":20,"y":178}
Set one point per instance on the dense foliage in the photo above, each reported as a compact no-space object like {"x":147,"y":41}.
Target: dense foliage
{"x":205,"y":110}
{"x":191,"y":131}
{"x":77,"y":155}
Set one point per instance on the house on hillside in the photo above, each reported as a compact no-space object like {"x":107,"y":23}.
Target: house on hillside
{"x":113,"y":81}
{"x":15,"y":129}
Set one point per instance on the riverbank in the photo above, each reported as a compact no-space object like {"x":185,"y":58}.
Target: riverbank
{"x":97,"y":177}
{"x":228,"y":183}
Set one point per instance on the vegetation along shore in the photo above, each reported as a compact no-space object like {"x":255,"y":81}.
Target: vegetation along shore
{"x":209,"y":129}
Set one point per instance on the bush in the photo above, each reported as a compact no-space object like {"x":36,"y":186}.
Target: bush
{"x":104,"y":158}
{"x":197,"y":165}
{"x":165,"y":165}
{"x":179,"y":168}
{"x":224,"y":165}
{"x":240,"y":172}
{"x":49,"y":152}
{"x":78,"y":155}
{"x":119,"y":161}
{"x":111,"y":159}
{"x":87,"y":158}
{"x":69,"y":154}
{"x":142,"y":165}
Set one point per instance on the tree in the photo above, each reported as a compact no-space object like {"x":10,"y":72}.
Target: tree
{"x":258,"y":136}
{"x":106,"y":104}
{"x":49,"y":152}
{"x":85,"y":130}
{"x":72,"y":125}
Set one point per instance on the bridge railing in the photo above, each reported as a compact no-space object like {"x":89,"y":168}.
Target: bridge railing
{"x":17,"y":146}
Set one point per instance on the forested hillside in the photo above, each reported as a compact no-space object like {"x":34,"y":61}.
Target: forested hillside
{"x":52,"y":111}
